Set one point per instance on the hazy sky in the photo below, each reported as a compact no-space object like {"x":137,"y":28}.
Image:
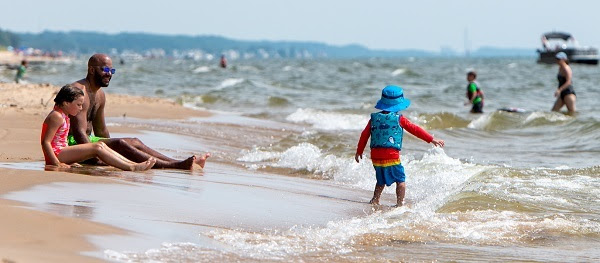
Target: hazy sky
{"x":420,"y":24}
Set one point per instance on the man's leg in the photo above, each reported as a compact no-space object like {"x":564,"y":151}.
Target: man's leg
{"x":133,"y":149}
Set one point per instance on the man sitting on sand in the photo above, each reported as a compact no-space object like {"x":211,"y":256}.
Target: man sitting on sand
{"x":99,"y":73}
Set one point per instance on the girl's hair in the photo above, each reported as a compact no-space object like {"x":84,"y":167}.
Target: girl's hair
{"x":67,"y":93}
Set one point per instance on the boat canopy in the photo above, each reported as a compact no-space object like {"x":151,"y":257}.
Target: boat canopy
{"x":558,"y":35}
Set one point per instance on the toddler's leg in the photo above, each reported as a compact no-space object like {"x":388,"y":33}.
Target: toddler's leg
{"x":377,"y":194}
{"x":400,"y":191}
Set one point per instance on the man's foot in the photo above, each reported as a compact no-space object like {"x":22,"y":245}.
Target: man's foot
{"x":143,"y":166}
{"x":201,"y":159}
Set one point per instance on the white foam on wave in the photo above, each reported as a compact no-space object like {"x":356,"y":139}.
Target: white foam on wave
{"x":547,"y":116}
{"x":343,"y":237}
{"x":399,"y":71}
{"x":481,"y":122}
{"x":433,"y":178}
{"x":201,"y":69}
{"x":487,"y":227}
{"x":229,"y":83}
{"x":328,"y":120}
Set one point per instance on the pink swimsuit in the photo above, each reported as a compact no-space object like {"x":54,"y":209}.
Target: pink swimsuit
{"x":60,"y":137}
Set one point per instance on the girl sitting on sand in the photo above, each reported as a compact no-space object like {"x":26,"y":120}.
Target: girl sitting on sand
{"x":69,"y":101}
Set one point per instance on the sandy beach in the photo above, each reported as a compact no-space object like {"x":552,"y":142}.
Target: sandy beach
{"x":220,"y":197}
{"x":11,"y":59}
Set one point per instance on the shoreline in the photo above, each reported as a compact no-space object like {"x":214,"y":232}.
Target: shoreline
{"x":10,"y":59}
{"x":222,"y":196}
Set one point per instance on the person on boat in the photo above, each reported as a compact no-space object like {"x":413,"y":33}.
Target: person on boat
{"x":474,"y":93}
{"x":565,"y":94}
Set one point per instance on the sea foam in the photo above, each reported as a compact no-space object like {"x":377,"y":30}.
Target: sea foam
{"x":328,"y":120}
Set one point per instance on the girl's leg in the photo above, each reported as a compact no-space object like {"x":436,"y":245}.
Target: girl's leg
{"x":80,"y":152}
{"x":570,"y":102}
{"x":400,"y":191}
{"x":377,"y":194}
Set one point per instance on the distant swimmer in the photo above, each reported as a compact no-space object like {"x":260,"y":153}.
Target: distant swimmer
{"x":223,"y":61}
{"x":565,"y":94}
{"x":21,"y":70}
{"x":386,"y":130}
{"x":474,"y":93}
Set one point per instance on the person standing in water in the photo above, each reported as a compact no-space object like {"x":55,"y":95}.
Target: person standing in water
{"x":474,"y":93}
{"x":386,"y":130}
{"x":223,"y":62}
{"x":21,"y":70}
{"x":565,"y":94}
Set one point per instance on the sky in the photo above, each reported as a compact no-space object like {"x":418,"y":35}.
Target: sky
{"x":377,"y":24}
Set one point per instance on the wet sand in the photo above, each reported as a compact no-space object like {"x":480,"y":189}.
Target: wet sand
{"x":92,"y":209}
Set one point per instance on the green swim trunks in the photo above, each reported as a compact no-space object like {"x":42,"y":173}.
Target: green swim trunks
{"x":93,"y":139}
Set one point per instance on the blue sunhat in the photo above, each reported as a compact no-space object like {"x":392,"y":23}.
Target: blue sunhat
{"x":392,"y":99}
{"x":561,"y":55}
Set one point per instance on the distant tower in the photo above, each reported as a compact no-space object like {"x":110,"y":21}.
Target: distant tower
{"x":467,"y":45}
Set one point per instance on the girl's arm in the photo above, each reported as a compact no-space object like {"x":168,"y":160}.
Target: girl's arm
{"x":52,"y":122}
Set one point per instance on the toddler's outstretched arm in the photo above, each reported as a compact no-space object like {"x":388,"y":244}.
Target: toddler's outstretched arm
{"x":438,"y":143}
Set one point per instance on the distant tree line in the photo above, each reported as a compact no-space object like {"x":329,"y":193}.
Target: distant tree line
{"x":90,"y":42}
{"x":8,"y":38}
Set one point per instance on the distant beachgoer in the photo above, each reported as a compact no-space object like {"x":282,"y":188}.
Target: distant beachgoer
{"x":474,"y":93}
{"x":565,"y":94}
{"x":386,"y":131}
{"x":91,"y":118}
{"x":223,"y":62}
{"x":21,"y":70}
{"x":69,"y":101}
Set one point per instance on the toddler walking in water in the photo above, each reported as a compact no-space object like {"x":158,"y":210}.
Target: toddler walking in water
{"x":69,"y":101}
{"x":386,"y":129}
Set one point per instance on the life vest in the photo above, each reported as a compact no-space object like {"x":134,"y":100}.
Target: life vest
{"x":386,"y":131}
{"x":478,"y":93}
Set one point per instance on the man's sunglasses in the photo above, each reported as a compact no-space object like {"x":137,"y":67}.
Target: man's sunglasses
{"x":106,"y":69}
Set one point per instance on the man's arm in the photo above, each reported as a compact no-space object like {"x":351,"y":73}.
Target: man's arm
{"x":79,"y":122}
{"x":99,"y":123}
